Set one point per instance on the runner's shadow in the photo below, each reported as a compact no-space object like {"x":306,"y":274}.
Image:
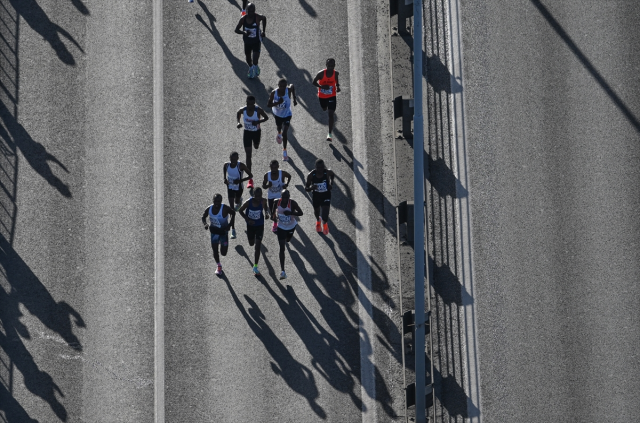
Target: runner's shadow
{"x":343,"y":321}
{"x":318,"y":341}
{"x":34,"y":152}
{"x":38,"y":20}
{"x":308,"y":8}
{"x":26,"y":291}
{"x":297,"y":376}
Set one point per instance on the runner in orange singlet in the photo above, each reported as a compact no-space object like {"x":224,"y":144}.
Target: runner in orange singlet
{"x":328,"y":86}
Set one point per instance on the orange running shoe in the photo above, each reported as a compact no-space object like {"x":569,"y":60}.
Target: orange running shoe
{"x":325,"y":229}
{"x":318,"y":226}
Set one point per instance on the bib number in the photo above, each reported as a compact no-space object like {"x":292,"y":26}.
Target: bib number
{"x":321,"y":187}
{"x":251,"y":32}
{"x":327,"y":92}
{"x":254,"y":214}
{"x":283,"y":218}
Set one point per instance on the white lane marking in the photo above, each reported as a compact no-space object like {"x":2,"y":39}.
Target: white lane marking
{"x":361,"y":198}
{"x":469,"y":309}
{"x":158,"y":199}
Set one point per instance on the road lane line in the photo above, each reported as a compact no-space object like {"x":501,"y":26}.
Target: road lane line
{"x":361,"y":198}
{"x":158,"y":199}
{"x":469,"y":309}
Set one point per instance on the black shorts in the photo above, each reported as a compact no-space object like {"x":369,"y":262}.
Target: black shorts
{"x":235,"y":193}
{"x":328,"y":103}
{"x":285,"y":233}
{"x":251,"y":138}
{"x":252,"y":46}
{"x":282,"y":121}
{"x":321,"y":199}
{"x":255,"y":232}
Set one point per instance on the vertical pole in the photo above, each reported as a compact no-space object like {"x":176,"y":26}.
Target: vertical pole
{"x":418,"y":210}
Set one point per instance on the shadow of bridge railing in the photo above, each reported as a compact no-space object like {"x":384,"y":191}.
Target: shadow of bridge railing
{"x":9,"y":26}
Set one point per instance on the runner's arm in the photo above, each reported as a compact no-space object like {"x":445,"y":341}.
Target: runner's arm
{"x":224,"y":174}
{"x":270,"y":102}
{"x":242,"y":208}
{"x":266,"y":183}
{"x":295,"y":209}
{"x":264,"y":25}
{"x":331,"y":176}
{"x":229,"y":211}
{"x":308,"y":186}
{"x":317,"y":78}
{"x":245,"y":169}
{"x":292,"y":93}
{"x":238,"y":30}
{"x":337,"y":83}
{"x":261,"y":112}
{"x":286,"y":176}
{"x":204,"y":218}
{"x":265,"y":207}
{"x":239,"y":115}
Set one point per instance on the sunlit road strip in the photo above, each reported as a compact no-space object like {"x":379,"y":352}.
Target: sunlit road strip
{"x":360,"y":187}
{"x":469,"y":311}
{"x":158,"y":200}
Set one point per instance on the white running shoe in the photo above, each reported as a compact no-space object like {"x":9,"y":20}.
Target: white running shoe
{"x":279,"y":138}
{"x":283,"y":275}
{"x":233,"y":233}
{"x":256,"y":271}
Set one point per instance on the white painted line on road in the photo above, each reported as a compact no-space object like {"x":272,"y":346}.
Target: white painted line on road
{"x":158,"y":209}
{"x":361,"y":198}
{"x":469,"y":309}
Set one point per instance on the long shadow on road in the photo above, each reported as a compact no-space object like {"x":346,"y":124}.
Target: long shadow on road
{"x":27,"y":290}
{"x":299,"y":378}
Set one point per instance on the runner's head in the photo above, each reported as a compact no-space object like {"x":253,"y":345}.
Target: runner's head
{"x":251,"y":100}
{"x":319,"y":165}
{"x":251,"y":9}
{"x":274,"y":165}
{"x":217,"y":199}
{"x":285,"y":195}
{"x":257,"y":194}
{"x":331,"y":64}
{"x":233,"y":158}
{"x":282,"y":83}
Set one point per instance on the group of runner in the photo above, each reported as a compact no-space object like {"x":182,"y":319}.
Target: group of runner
{"x":220,"y":218}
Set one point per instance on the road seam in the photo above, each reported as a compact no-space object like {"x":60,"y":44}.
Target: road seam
{"x":469,"y":309}
{"x":361,"y":199}
{"x":158,"y":199}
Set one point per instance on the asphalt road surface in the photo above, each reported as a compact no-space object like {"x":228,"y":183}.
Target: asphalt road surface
{"x":552,"y":118}
{"x":77,"y":306}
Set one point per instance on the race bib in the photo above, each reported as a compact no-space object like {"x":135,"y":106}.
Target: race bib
{"x":274,"y":189}
{"x":321,"y":187}
{"x":254,"y":214}
{"x":282,"y":105}
{"x":216,"y":223}
{"x":234,"y":187}
{"x":327,"y":92}
{"x":250,"y":126}
{"x":251,"y":32}
{"x":283,"y":218}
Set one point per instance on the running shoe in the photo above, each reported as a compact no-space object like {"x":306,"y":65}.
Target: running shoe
{"x":244,"y":12}
{"x":219,"y":270}
{"x":256,"y":271}
{"x":279,"y":138}
{"x":318,"y":226}
{"x":238,"y":205}
{"x":283,"y":275}
{"x":329,"y":137}
{"x":233,"y":233}
{"x":325,"y":229}
{"x":285,"y":157}
{"x":251,"y":74}
{"x":274,"y":229}
{"x":257,"y":70}
{"x":250,"y":183}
